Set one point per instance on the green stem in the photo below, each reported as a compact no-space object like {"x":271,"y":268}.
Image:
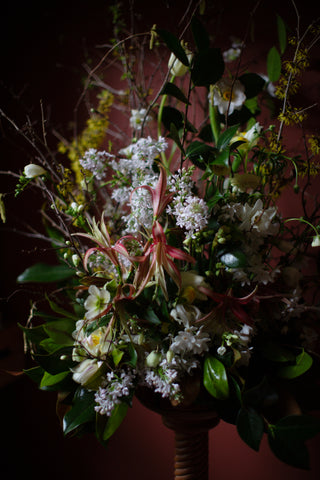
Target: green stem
{"x":160,"y":112}
{"x":213,"y":114}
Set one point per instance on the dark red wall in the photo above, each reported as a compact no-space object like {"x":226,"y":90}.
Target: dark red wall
{"x":42,"y":50}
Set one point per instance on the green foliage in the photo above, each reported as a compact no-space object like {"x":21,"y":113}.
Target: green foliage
{"x":215,"y":378}
{"x":273,"y":64}
{"x":44,"y":273}
{"x":250,"y":427}
{"x":286,"y":439}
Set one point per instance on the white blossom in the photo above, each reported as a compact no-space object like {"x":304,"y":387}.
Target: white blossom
{"x":96,"y":302}
{"x":137,"y":118}
{"x":228,"y":96}
{"x":32,"y":170}
{"x":96,"y":162}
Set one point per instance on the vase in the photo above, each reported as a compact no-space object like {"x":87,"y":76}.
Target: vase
{"x":191,"y":424}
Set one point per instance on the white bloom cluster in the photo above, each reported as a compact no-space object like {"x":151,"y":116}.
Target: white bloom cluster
{"x":191,"y":340}
{"x":191,"y":215}
{"x":113,"y":390}
{"x":256,"y":223}
{"x":133,"y":172}
{"x":95,"y":162}
{"x":162,"y":381}
{"x":191,"y":212}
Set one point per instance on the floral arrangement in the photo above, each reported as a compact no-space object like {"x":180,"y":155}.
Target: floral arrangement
{"x":177,"y":272}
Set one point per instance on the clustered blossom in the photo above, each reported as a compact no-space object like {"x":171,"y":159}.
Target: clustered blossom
{"x":113,"y":390}
{"x":163,"y":381}
{"x":190,"y":211}
{"x":257,"y":224}
{"x":96,"y":162}
{"x":133,"y":172}
{"x":191,"y":215}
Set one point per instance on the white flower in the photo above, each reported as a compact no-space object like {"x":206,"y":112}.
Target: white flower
{"x":257,"y":218}
{"x":271,"y":89}
{"x":186,"y":314}
{"x":316,"y":241}
{"x":32,"y":170}
{"x":95,"y":162}
{"x":87,"y":372}
{"x":177,"y":67}
{"x":192,"y":214}
{"x":231,"y":54}
{"x":228,"y":96}
{"x":190,"y":283}
{"x":191,"y":340}
{"x":113,"y":390}
{"x":96,"y":302}
{"x":137,"y":117}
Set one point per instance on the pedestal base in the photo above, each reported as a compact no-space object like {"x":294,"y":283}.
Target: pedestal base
{"x":191,"y":425}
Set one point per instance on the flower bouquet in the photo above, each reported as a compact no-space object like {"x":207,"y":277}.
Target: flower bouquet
{"x":177,"y":274}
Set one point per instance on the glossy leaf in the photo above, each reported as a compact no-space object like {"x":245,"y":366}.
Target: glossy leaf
{"x":208,"y":67}
{"x":287,"y":437}
{"x":273,"y":64}
{"x":236,"y":259}
{"x":60,"y":331}
{"x":250,"y":427}
{"x":117,"y":416}
{"x":174,"y":45}
{"x":49,"y":380}
{"x":303,"y":364}
{"x":81,"y":412}
{"x":226,"y":137}
{"x":200,"y":154}
{"x":174,"y":134}
{"x":277,"y":353}
{"x":253,"y":84}
{"x":200,"y":35}
{"x":282,"y":34}
{"x":43,"y":273}
{"x":174,"y":91}
{"x":215,"y":378}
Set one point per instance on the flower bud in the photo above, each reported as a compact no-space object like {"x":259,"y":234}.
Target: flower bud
{"x":32,"y":170}
{"x":177,"y":67}
{"x":153,"y":359}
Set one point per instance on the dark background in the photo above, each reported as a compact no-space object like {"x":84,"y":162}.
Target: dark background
{"x":43,"y":48}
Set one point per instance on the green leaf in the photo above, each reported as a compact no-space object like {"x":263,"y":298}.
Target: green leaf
{"x":253,"y":84}
{"x":277,"y":353}
{"x":49,"y":380}
{"x":174,"y":45}
{"x":57,"y":309}
{"x":34,"y":334}
{"x":117,"y":416}
{"x":282,"y":34}
{"x":81,"y":412}
{"x":208,"y":67}
{"x":236,"y":259}
{"x":43,"y":273}
{"x":117,"y":355}
{"x":286,"y":439}
{"x":260,"y":395}
{"x":250,"y":427}
{"x":150,"y":315}
{"x":60,"y":331}
{"x":303,"y":364}
{"x":172,"y":115}
{"x":200,"y":35}
{"x":35,"y":373}
{"x":215,"y":378}
{"x":273,"y":64}
{"x":200,"y":154}
{"x":174,"y":134}
{"x":226,"y":137}
{"x":58,"y":361}
{"x":174,"y":91}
